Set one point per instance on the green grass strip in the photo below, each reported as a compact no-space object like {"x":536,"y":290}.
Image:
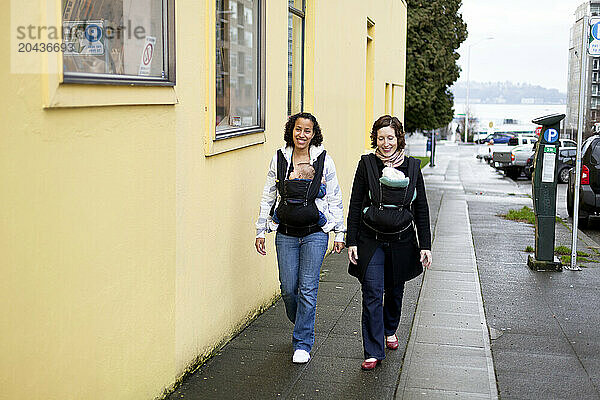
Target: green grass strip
{"x":564,"y":250}
{"x":567,"y":260}
{"x":525,"y":214}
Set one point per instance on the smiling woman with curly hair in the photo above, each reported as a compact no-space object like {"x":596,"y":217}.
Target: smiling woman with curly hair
{"x":302,"y":175}
{"x":317,"y":139}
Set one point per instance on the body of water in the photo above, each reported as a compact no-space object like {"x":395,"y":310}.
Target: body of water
{"x":522,"y":114}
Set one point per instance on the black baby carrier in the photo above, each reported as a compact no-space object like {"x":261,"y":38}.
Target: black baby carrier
{"x":297,"y":212}
{"x":389,"y":214}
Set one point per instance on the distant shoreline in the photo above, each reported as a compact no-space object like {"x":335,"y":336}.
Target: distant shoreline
{"x":497,"y":113}
{"x":513,"y":104}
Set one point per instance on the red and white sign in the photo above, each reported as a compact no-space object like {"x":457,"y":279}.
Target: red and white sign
{"x":538,"y":131}
{"x":147,"y":55}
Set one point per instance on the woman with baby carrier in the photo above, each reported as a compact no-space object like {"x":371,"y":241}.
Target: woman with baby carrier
{"x":302,"y":202}
{"x":388,"y":202}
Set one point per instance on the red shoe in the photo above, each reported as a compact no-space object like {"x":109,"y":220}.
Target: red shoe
{"x":369,"y":365}
{"x":392,"y":344}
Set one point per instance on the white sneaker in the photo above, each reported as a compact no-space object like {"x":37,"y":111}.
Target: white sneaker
{"x":300,"y":357}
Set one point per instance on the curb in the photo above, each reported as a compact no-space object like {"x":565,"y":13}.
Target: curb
{"x":589,"y":242}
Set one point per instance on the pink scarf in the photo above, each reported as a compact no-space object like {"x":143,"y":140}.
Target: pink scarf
{"x":394,"y":160}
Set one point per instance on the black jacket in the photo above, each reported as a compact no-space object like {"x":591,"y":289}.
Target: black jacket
{"x":402,"y":256}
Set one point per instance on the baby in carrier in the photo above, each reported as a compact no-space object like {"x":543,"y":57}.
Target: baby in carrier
{"x":391,"y":195}
{"x":393,"y":178}
{"x":305,"y":172}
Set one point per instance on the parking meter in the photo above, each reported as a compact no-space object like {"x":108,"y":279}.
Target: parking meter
{"x":544,"y":181}
{"x":433,"y":146}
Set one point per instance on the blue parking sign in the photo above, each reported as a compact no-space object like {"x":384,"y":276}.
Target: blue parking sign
{"x":595,"y":31}
{"x":551,"y":135}
{"x":594,"y":37}
{"x":93,"y":33}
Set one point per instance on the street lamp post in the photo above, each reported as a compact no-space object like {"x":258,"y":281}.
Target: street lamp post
{"x":467,"y":111}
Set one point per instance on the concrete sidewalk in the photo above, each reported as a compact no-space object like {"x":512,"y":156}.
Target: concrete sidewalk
{"x":448,"y":354}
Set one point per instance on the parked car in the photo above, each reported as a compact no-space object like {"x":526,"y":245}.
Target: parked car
{"x":512,"y":158}
{"x":513,"y":161}
{"x":497,"y":138}
{"x":567,"y":143}
{"x":566,"y":161}
{"x":589,"y":191}
{"x":518,"y":140}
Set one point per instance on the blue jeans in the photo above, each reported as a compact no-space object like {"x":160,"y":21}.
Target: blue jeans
{"x":299,"y":260}
{"x":380,"y":307}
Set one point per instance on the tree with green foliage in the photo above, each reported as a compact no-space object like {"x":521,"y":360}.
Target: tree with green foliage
{"x":435,"y":30}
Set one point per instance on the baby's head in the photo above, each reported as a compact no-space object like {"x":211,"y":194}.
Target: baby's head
{"x":303,"y":171}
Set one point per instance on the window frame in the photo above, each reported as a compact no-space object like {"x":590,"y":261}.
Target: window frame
{"x":260,"y":41}
{"x":168,"y":35}
{"x":302,"y":15}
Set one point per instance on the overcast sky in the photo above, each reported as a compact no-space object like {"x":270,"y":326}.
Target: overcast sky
{"x":530,"y":45}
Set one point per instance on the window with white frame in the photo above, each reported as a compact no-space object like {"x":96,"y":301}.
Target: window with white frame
{"x":296,"y":15}
{"x":119,"y":41}
{"x":239,"y":72}
{"x":594,"y":90}
{"x":594,"y":77}
{"x":595,"y":64}
{"x":594,"y":102}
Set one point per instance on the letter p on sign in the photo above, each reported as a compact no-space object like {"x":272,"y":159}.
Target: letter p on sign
{"x":551,"y":135}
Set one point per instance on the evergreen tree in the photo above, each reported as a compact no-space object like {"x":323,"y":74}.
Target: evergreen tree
{"x":435,"y":30}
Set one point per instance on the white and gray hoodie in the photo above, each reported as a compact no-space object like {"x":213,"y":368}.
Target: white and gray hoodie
{"x":330,"y":205}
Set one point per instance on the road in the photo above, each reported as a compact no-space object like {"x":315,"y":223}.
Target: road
{"x":524,"y":186}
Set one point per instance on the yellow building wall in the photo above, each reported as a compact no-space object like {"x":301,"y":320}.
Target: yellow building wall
{"x":87,"y":241}
{"x":127,"y":233}
{"x":221,"y":280}
{"x":339,"y":99}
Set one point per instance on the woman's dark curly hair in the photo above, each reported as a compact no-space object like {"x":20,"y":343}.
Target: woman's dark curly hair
{"x":388,"y":120}
{"x":291,"y":123}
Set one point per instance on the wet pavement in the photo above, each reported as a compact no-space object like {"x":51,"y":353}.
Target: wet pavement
{"x":543,"y":324}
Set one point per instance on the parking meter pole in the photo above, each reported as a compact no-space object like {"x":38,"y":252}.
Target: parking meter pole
{"x":580,"y":126}
{"x":544,"y":193}
{"x":433,"y":148}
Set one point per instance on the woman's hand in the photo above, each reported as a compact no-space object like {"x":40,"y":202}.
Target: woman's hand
{"x":426,"y":258}
{"x":260,"y":246}
{"x":353,"y":254}
{"x":338,"y":247}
